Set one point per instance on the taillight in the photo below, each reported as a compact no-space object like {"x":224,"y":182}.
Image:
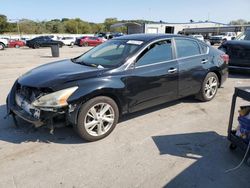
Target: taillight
{"x":225,"y":58}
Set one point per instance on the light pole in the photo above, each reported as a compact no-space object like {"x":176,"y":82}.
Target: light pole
{"x":18,"y":28}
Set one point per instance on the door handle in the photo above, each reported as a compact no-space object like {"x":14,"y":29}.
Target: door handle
{"x":172,"y":70}
{"x":203,"y":61}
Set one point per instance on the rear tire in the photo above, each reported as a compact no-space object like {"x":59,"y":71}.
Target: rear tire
{"x":209,"y":87}
{"x":97,"y":118}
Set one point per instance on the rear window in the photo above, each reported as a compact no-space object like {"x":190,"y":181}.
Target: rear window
{"x":186,"y":48}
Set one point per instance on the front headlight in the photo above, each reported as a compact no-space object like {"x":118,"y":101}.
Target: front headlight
{"x":56,"y":99}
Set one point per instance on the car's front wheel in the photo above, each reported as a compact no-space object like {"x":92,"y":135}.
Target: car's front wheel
{"x":2,"y":46}
{"x":209,"y":87}
{"x":85,"y":44}
{"x":36,"y":46}
{"x":97,"y":118}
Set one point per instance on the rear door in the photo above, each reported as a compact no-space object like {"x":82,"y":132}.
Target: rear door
{"x":154,"y":78}
{"x":193,"y":63}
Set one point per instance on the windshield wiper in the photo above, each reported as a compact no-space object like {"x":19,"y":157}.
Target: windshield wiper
{"x":83,"y":63}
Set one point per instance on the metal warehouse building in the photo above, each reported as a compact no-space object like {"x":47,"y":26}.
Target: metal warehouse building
{"x":163,"y":27}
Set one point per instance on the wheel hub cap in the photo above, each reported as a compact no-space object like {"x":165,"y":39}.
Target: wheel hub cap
{"x":211,"y":87}
{"x":99,"y":119}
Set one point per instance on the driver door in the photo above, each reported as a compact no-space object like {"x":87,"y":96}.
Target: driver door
{"x":154,"y":78}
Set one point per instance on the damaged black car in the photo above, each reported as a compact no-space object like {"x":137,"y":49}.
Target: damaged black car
{"x":120,"y":76}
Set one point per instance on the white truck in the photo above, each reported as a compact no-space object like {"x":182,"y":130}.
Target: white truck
{"x":3,"y":43}
{"x":218,"y":39}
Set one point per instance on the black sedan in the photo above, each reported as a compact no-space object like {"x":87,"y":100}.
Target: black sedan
{"x":239,"y":52}
{"x":120,"y":76}
{"x":43,"y":41}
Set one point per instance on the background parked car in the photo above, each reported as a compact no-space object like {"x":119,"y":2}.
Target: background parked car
{"x":115,"y":35}
{"x":24,"y":39}
{"x":89,"y":41}
{"x":201,"y":38}
{"x":43,"y":41}
{"x":15,"y":43}
{"x":218,"y":39}
{"x":239,"y":52}
{"x":68,"y":41}
{"x":103,"y":35}
{"x":3,"y":43}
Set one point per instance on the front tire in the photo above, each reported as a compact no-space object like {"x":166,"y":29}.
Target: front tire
{"x":85,"y":44}
{"x":2,"y":46}
{"x":36,"y":46}
{"x":97,"y":118}
{"x":209,"y":87}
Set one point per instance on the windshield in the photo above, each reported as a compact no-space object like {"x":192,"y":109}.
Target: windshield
{"x":109,"y":54}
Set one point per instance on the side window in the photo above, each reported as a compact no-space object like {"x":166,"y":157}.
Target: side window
{"x":157,"y":52}
{"x":93,"y":38}
{"x":186,"y":47}
{"x":204,"y":48}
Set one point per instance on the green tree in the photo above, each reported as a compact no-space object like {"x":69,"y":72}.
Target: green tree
{"x":71,"y":26}
{"x":108,"y":22}
{"x":28,"y":26}
{"x":238,"y":22}
{"x":3,"y":23}
{"x":54,"y":26}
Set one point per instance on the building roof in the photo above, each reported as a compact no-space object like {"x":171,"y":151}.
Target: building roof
{"x":200,"y":22}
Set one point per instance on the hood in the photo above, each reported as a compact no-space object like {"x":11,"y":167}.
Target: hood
{"x":58,"y":73}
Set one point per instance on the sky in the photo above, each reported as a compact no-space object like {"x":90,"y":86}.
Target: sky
{"x":155,"y":10}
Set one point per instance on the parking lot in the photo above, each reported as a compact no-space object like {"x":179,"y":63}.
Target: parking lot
{"x":179,"y":144}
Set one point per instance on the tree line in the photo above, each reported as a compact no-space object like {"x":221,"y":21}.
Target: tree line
{"x":64,"y":25}
{"x":72,"y":26}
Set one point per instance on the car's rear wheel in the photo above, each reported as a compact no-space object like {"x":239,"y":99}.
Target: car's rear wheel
{"x":2,"y":46}
{"x":97,"y":118}
{"x":72,"y":44}
{"x":209,"y":87}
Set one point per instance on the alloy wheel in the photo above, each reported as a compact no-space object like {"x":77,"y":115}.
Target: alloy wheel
{"x":211,"y":87}
{"x":99,"y":119}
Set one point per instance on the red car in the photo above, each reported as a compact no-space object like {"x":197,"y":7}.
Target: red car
{"x":16,"y":44}
{"x":89,"y":41}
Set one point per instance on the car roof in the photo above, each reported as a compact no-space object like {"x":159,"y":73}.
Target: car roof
{"x":146,"y":37}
